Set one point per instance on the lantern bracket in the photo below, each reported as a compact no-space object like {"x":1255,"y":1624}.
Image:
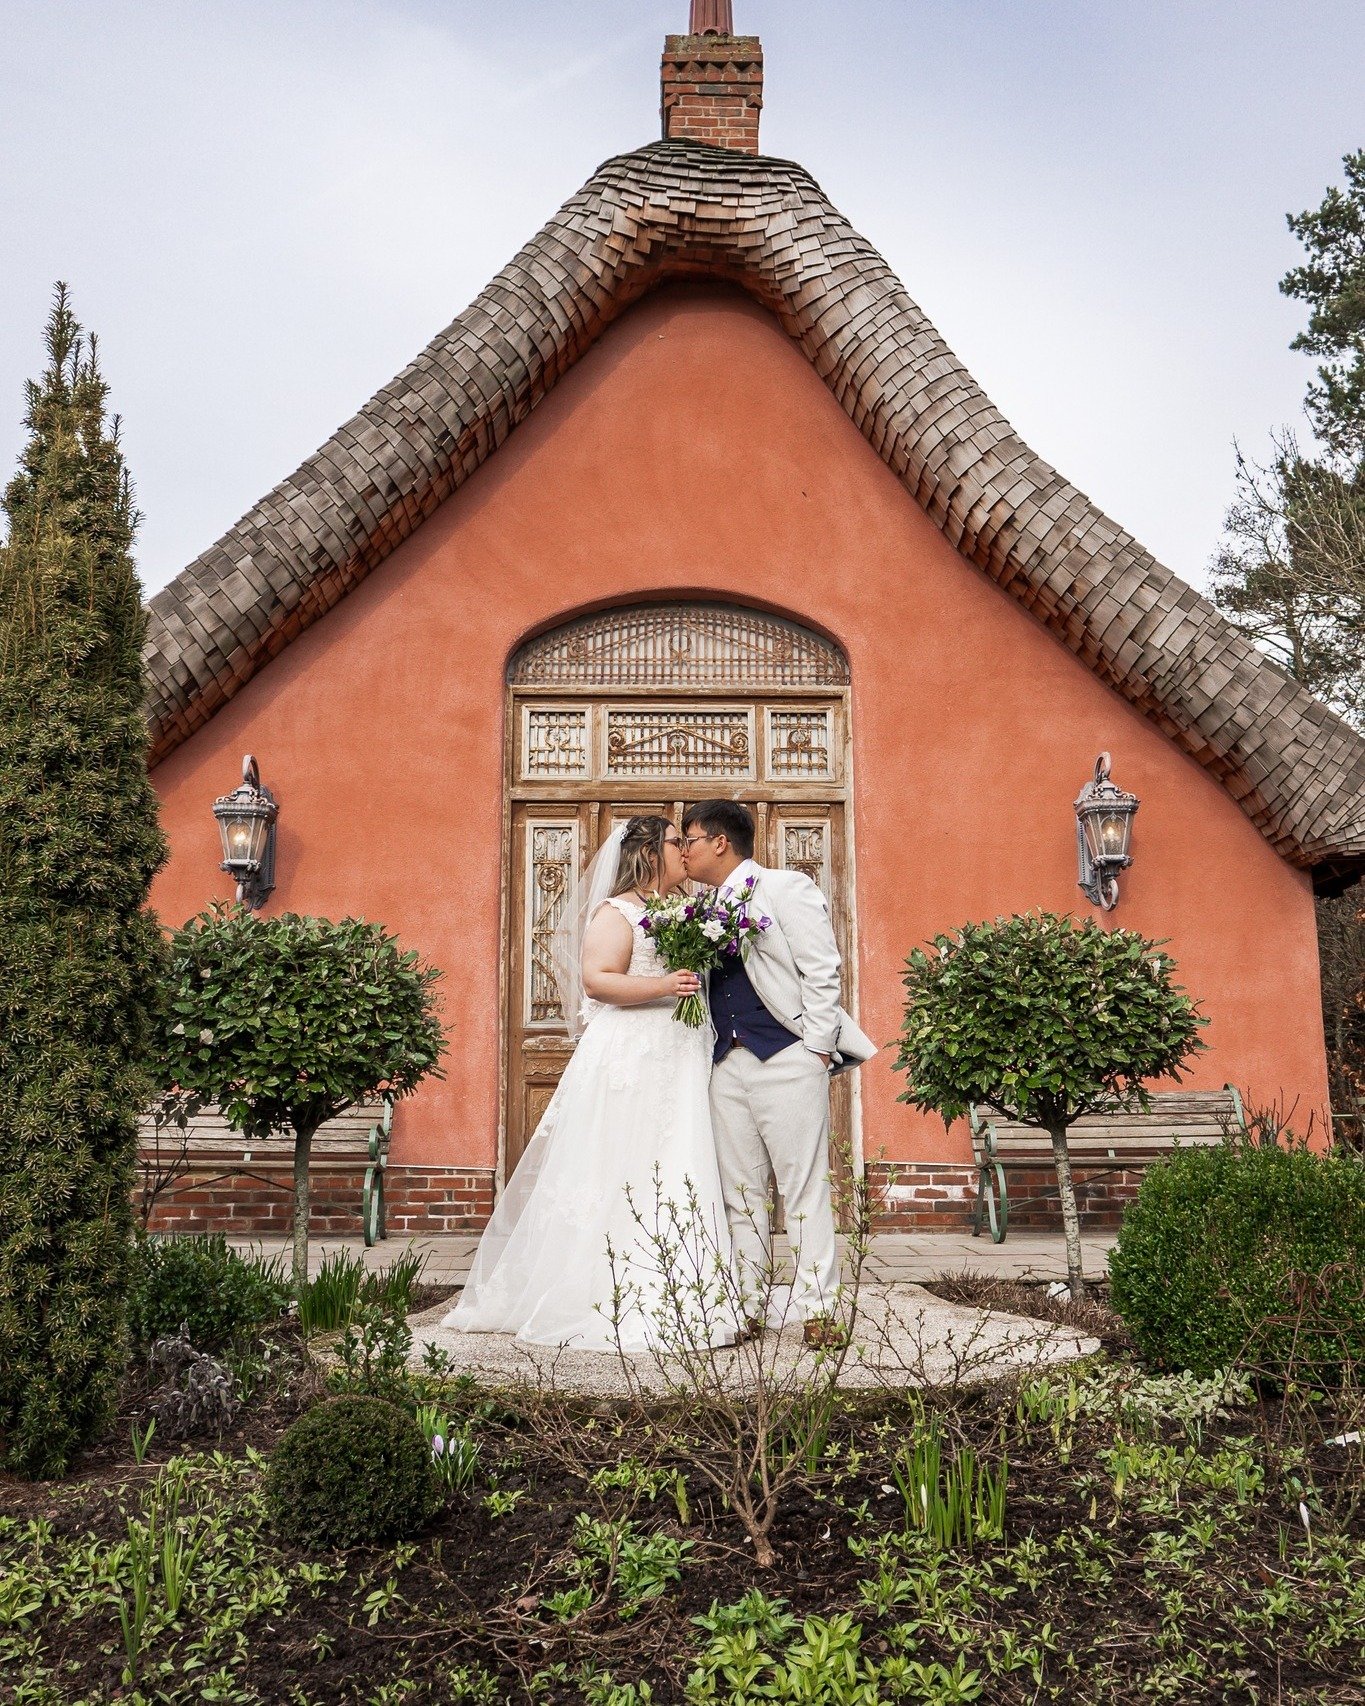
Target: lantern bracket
{"x":246,"y":822}
{"x":1104,"y":826}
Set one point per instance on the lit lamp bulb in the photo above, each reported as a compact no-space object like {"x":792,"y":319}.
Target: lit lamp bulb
{"x":239,"y":841}
{"x":1111,"y":834}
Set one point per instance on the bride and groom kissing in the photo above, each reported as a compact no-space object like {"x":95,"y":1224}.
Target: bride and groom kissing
{"x":651,"y":1111}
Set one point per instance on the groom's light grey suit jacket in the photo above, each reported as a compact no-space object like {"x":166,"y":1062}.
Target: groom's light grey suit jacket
{"x":794,"y":968}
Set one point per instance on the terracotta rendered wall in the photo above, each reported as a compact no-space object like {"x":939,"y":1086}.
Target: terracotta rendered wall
{"x":694,"y":452}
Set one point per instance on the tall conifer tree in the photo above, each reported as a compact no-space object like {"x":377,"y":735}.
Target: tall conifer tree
{"x":80,"y":956}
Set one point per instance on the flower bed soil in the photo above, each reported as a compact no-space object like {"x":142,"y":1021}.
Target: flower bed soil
{"x":1166,"y":1590}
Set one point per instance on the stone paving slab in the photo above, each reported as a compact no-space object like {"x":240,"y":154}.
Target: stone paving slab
{"x":894,"y":1257}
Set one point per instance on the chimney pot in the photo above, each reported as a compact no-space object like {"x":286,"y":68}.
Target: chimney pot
{"x":712,"y":18}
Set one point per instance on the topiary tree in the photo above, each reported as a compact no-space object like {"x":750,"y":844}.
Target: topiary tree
{"x":80,"y":956}
{"x":285,"y":1022}
{"x":1042,"y":1021}
{"x":351,"y":1472}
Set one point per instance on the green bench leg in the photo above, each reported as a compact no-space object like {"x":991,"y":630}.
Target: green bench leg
{"x":992,"y":1199}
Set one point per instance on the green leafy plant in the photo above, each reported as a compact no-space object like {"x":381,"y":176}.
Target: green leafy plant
{"x":203,"y":1284}
{"x":329,"y":1299}
{"x":1043,"y":1021}
{"x":353,"y":1471}
{"x":286,"y":1022}
{"x":81,"y":959}
{"x":454,"y":1450}
{"x":1213,"y":1256}
{"x":956,"y":1501}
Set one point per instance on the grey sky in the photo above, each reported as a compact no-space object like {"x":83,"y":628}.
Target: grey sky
{"x":266,"y":207}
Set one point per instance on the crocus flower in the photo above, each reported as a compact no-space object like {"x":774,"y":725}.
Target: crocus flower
{"x":438,"y":1446}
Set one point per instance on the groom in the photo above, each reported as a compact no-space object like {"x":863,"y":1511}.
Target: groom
{"x":780,"y":1033}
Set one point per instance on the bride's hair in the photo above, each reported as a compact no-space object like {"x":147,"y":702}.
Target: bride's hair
{"x":642,"y":854}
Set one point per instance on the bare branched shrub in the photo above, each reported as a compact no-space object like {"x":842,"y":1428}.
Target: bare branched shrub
{"x":164,"y":1161}
{"x":752,"y":1419}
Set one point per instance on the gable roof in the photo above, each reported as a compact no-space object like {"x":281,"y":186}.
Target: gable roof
{"x":680,"y":209}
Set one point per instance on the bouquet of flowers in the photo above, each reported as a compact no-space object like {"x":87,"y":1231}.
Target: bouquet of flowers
{"x":696,"y":932}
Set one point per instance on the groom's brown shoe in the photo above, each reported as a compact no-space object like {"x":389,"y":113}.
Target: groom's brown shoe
{"x":824,"y":1333}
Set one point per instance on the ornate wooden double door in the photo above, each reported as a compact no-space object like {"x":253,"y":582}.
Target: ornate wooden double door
{"x":644,"y":710}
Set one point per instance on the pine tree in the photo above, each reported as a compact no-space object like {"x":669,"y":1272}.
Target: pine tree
{"x":80,"y":955}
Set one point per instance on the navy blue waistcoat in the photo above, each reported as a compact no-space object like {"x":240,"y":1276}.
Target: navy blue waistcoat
{"x":739,"y":1015}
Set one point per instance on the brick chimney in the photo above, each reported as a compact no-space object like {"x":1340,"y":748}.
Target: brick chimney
{"x":713,"y":81}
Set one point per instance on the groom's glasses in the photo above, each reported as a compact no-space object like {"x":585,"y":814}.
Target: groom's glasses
{"x":691,"y":840}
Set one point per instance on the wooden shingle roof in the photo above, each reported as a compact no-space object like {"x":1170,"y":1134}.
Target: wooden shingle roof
{"x":680,"y":209}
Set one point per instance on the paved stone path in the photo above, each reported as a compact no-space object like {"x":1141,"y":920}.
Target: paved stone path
{"x":906,"y":1336}
{"x":896,"y":1257}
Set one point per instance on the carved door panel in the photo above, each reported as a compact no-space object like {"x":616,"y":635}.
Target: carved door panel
{"x":810,"y":838}
{"x":552,"y":845}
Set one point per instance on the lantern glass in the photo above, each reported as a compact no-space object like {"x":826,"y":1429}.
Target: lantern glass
{"x":1114,"y":829}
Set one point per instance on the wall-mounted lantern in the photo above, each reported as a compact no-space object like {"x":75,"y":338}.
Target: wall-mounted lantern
{"x":246,"y":822}
{"x":1104,"y":829}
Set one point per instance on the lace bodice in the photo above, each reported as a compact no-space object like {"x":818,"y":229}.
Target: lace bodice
{"x":644,"y":956}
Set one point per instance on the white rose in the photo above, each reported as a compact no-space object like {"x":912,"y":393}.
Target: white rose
{"x":713,"y":929}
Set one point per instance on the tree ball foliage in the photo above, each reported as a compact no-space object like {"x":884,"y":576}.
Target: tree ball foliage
{"x":1040,"y":1019}
{"x":285,"y":1021}
{"x":202,"y":1284}
{"x":354,"y":1471}
{"x":1247,"y":1251}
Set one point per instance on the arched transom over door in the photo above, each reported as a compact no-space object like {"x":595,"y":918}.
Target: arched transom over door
{"x":645,"y":709}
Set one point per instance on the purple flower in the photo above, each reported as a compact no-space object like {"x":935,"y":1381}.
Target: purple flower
{"x":765,"y":923}
{"x":687,"y":912}
{"x":743,"y":920}
{"x":647,"y":925}
{"x":732,"y":947}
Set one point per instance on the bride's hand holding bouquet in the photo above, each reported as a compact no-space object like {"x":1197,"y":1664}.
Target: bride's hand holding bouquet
{"x":695,"y":933}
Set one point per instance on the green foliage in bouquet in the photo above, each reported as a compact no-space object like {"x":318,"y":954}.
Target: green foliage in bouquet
{"x":286,"y":1022}
{"x":1042,"y":1020}
{"x":352,"y":1472}
{"x":80,"y":956}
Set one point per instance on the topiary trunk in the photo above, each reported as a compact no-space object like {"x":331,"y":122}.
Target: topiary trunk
{"x":1071,"y":1220}
{"x":303,"y":1147}
{"x":80,"y":958}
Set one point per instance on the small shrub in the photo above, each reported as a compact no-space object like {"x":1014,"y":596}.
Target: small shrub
{"x":352,"y":1472}
{"x":1245,"y":1252}
{"x":198,"y":1395}
{"x":328,"y":1301}
{"x":201,"y":1283}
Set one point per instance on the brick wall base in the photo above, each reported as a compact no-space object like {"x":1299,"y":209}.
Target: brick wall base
{"x":939,"y":1197}
{"x":425,"y":1201}
{"x":418,"y":1200}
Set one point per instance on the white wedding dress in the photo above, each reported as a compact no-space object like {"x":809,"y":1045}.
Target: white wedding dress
{"x":623,"y":1161}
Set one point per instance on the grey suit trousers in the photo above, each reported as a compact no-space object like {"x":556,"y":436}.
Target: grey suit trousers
{"x":775,"y":1113}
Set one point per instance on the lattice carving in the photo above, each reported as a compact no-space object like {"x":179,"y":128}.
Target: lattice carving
{"x":800,"y":745}
{"x":682,"y":744}
{"x":805,"y":847}
{"x":549,"y":875}
{"x":556,"y":744}
{"x":680,"y":645}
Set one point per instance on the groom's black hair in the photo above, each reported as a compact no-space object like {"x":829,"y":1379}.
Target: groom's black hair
{"x":723,"y":817}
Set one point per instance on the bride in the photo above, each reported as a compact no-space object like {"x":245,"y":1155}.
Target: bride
{"x":621,"y":1176}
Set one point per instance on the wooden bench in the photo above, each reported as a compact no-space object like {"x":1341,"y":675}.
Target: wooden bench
{"x":208,"y":1150}
{"x":1099,"y":1144}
